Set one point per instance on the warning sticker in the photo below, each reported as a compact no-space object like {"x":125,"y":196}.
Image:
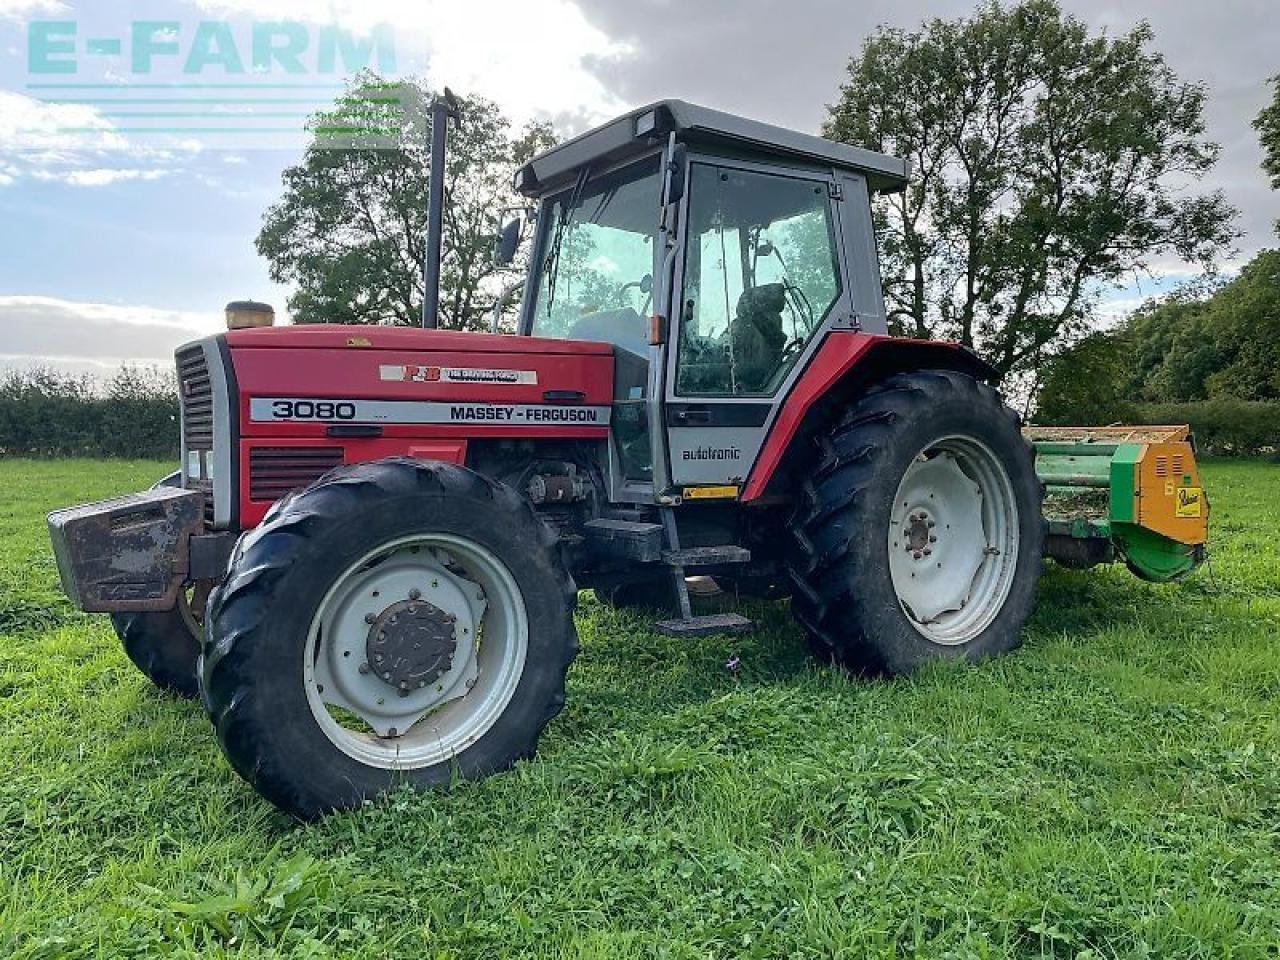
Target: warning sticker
{"x":1190,"y":502}
{"x":710,"y":493}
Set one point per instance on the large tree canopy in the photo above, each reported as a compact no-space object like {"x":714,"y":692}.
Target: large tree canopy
{"x":1047,"y":163}
{"x":1197,"y":344}
{"x":1268,"y":126}
{"x":349,"y":231}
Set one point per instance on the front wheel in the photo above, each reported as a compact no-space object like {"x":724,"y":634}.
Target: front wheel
{"x":165,"y":644}
{"x":918,"y":535}
{"x":397,"y":621}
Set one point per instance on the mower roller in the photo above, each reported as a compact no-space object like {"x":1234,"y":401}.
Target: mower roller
{"x":368,"y":564}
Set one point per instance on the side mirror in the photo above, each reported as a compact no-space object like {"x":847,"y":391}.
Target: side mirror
{"x":675,"y":173}
{"x":507,"y":242}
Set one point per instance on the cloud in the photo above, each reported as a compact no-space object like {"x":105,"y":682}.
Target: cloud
{"x":533,"y":59}
{"x":784,"y":65}
{"x":101,"y":177}
{"x":71,"y":143}
{"x":30,"y":124}
{"x":76,"y":333}
{"x":21,"y":9}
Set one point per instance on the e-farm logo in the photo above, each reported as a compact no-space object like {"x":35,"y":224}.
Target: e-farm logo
{"x":260,"y":83}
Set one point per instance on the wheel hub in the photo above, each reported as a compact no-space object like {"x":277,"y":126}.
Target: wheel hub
{"x":398,"y":639}
{"x":918,"y":535}
{"x":411,"y":644}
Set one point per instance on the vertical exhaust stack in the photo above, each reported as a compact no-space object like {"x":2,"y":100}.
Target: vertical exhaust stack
{"x":443,"y":109}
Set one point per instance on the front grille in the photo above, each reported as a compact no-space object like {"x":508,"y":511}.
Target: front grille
{"x":195,"y":391}
{"x":275,"y":471}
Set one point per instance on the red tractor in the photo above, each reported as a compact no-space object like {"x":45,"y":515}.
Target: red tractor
{"x":368,"y":563}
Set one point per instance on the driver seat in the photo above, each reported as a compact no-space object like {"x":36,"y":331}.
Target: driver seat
{"x":756,"y":335}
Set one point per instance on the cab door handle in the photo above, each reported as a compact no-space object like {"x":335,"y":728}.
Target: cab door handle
{"x":694,"y":416}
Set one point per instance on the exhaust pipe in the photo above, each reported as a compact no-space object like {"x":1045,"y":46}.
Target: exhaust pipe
{"x":443,"y":109}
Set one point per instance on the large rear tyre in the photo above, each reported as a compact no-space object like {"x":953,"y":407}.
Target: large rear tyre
{"x":164,"y":644}
{"x":918,"y":533}
{"x":397,"y":621}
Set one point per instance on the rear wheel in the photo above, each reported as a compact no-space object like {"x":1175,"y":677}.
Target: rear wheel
{"x":397,"y":621}
{"x":919,"y":534}
{"x":165,"y":644}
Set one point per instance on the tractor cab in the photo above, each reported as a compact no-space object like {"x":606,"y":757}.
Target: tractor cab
{"x":715,"y":254}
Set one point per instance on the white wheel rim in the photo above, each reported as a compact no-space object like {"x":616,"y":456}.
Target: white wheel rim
{"x":376,"y":722}
{"x":953,"y":540}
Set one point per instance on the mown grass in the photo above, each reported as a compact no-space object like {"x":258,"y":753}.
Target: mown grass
{"x":1111,"y":790}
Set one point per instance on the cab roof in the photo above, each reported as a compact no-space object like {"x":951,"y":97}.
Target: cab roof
{"x":648,"y":126}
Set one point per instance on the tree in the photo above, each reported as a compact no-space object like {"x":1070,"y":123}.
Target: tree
{"x":1087,"y":383}
{"x":1046,"y":162}
{"x":349,"y":231}
{"x":1268,"y":126}
{"x":1217,"y":343}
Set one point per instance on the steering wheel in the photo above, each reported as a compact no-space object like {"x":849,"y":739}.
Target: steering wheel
{"x":791,"y":349}
{"x":645,"y":284}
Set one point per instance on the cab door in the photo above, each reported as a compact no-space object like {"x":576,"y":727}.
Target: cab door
{"x":762,"y":279}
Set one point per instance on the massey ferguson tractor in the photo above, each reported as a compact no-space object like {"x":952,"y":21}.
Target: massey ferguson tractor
{"x":368,"y":563}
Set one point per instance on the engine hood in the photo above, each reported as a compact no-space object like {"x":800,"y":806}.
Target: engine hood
{"x":499,"y":378}
{"x":347,"y":337}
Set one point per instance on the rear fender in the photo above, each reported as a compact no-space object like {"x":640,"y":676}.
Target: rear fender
{"x":842,"y":369}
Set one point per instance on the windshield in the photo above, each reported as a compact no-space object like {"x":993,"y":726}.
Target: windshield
{"x":595,"y":278}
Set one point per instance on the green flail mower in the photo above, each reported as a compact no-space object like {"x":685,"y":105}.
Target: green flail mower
{"x":1122,"y":493}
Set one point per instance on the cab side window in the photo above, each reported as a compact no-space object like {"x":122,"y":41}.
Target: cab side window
{"x":761,"y":273}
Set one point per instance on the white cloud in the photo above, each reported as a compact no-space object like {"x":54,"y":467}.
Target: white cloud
{"x":534,"y":60}
{"x":21,"y":9}
{"x":42,"y":328}
{"x":101,"y":177}
{"x":30,"y":124}
{"x":71,"y":144}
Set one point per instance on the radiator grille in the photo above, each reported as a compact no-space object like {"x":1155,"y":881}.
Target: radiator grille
{"x":275,"y":471}
{"x":196,"y":395}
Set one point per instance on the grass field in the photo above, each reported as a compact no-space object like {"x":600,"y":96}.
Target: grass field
{"x":1110,"y":790}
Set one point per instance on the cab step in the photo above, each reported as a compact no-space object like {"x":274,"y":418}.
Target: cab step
{"x":627,"y":539}
{"x":706,"y":625}
{"x":706,"y":556}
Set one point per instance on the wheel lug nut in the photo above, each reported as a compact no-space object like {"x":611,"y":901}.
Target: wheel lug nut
{"x":370,"y":618}
{"x":364,"y":668}
{"x":387,"y":675}
{"x":932,"y":524}
{"x":415,"y":593}
{"x":933,"y":539}
{"x":926,"y":551}
{"x":916,"y":555}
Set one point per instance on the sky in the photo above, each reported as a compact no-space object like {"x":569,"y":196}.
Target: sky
{"x":125,"y":226}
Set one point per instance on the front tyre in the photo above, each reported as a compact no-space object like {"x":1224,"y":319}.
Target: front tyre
{"x":918,"y":535}
{"x":397,"y":621}
{"x":165,"y":644}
